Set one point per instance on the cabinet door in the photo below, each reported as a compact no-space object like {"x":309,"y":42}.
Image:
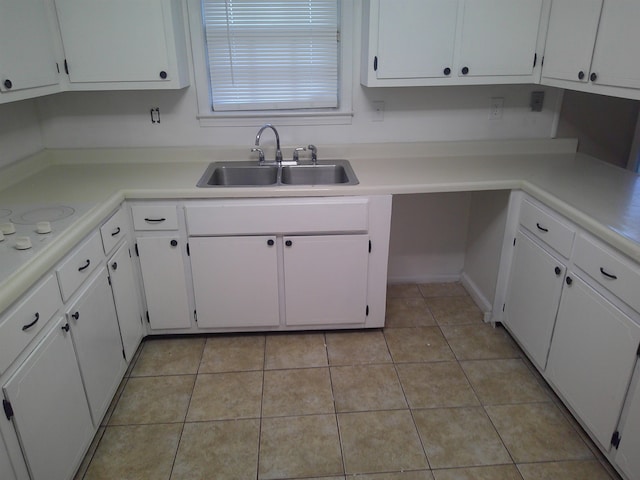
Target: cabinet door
{"x":50,"y":408}
{"x":615,"y":58}
{"x":6,"y":469}
{"x":326,"y":279}
{"x":235,"y":281}
{"x":416,"y":38}
{"x":27,"y":57}
{"x":593,"y":352}
{"x":535,"y":285}
{"x":627,"y":457}
{"x":125,"y":296}
{"x":571,"y":37}
{"x":114,"y":40}
{"x":94,"y":329}
{"x":499,"y":37}
{"x":165,"y":285}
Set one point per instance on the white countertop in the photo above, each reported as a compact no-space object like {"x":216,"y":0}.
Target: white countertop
{"x":601,"y":198}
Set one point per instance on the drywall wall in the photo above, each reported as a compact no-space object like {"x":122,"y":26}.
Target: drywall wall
{"x":20,"y":134}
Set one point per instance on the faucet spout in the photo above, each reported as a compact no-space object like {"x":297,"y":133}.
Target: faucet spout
{"x":278,"y":151}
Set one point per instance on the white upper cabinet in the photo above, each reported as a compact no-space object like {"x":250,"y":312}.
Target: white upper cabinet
{"x":592,"y":46}
{"x":27,"y":50}
{"x":440,"y":42}
{"x":123,"y":44}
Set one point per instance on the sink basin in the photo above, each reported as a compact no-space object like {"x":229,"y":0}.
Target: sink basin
{"x":250,"y":174}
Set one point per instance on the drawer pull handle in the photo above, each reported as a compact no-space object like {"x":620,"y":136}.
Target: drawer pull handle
{"x":154,"y":220}
{"x":27,"y":327}
{"x":65,"y":327}
{"x":608,"y":275}
{"x":541,"y":228}
{"x":117,"y":231}
{"x":76,"y":315}
{"x":85,"y":266}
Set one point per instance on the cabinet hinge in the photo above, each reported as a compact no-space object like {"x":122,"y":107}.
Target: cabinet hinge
{"x":535,"y":59}
{"x":195,"y":315}
{"x":66,"y":67}
{"x":188,"y":251}
{"x":338,"y":36}
{"x":137,"y":252}
{"x":542,"y":61}
{"x":148,"y":317}
{"x":369,"y":246}
{"x":109,"y":279}
{"x":367,"y":311}
{"x":123,"y":355}
{"x":514,"y":241}
{"x":8,"y":409}
{"x":638,"y":351}
{"x":57,"y":67}
{"x":503,"y":306}
{"x":141,"y":320}
{"x":375,"y":63}
{"x":129,"y":252}
{"x":615,"y":439}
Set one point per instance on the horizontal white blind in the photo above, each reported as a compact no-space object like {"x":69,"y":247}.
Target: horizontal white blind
{"x":271,"y":55}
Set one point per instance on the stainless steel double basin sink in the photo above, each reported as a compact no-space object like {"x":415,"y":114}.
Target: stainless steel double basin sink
{"x":251,"y":174}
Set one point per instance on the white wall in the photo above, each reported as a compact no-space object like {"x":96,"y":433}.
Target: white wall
{"x":20,"y":134}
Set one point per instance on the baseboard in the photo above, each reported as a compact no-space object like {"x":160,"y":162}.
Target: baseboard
{"x":478,"y":297}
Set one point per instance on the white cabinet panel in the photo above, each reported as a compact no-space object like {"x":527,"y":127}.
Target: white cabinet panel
{"x":165,"y":287}
{"x":125,"y":296}
{"x":6,"y":469}
{"x":534,"y":295}
{"x":416,"y":39}
{"x":326,"y":279}
{"x":50,"y":408}
{"x":235,"y":281}
{"x":593,"y":353}
{"x":627,"y":456}
{"x":94,"y":329}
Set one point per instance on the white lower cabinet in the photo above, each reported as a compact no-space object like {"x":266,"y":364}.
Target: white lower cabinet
{"x":96,"y":337}
{"x":627,"y":457}
{"x":532,"y":299}
{"x":6,"y":469}
{"x":50,"y":410}
{"x":164,"y":279}
{"x":592,"y":357}
{"x":125,"y":296}
{"x":235,"y":281}
{"x":325,"y":279}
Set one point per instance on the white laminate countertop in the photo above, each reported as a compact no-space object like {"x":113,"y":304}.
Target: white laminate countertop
{"x":601,"y":198}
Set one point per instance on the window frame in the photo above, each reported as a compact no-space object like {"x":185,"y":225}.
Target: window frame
{"x":342,"y":115}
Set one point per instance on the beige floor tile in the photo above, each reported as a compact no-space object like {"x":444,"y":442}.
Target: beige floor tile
{"x":292,"y":447}
{"x":383,"y":441}
{"x":436,"y":384}
{"x":220,"y":396}
{"x":479,"y":342}
{"x":366,"y":387}
{"x":419,"y":344}
{"x":357,"y":347}
{"x":154,"y":400}
{"x":415,"y":475}
{"x":296,"y":350}
{"x":537,"y":432}
{"x":170,"y":356}
{"x":504,"y":381}
{"x":300,"y":391}
{"x":448,"y":289}
{"x":574,"y":470}
{"x":454,"y":310}
{"x":224,"y":450}
{"x":403,"y":290}
{"x":498,"y":472}
{"x":459,"y":437}
{"x":135,"y":452}
{"x":408,"y":312}
{"x":233,"y":353}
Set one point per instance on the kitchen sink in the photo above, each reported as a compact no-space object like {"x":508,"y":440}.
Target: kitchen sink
{"x":251,"y":174}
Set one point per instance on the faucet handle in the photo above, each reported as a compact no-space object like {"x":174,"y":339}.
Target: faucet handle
{"x":296,"y":153}
{"x":260,"y":154}
{"x":314,"y":154}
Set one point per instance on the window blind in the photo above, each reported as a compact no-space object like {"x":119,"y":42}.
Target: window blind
{"x":271,"y":55}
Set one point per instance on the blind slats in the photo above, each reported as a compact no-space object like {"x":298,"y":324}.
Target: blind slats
{"x":265,"y":55}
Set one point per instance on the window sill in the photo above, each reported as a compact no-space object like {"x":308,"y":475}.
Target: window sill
{"x":254,"y":119}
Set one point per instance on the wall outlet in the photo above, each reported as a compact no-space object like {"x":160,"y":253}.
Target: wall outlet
{"x":497,"y":106}
{"x":378,"y":111}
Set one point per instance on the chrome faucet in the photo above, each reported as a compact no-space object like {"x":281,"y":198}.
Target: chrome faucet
{"x":278,"y":151}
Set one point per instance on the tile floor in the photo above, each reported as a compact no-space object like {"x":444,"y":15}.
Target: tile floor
{"x":435,"y":395}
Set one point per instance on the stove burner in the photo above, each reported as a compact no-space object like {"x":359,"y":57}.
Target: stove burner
{"x":5,"y":212}
{"x":43,"y":214}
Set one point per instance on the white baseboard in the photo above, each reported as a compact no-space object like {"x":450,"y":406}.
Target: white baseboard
{"x":478,"y":297}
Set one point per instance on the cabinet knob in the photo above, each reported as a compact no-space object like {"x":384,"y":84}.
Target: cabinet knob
{"x":593,"y":77}
{"x":65,"y":327}
{"x":114,"y":265}
{"x":8,"y":84}
{"x":270,"y":242}
{"x":76,"y":315}
{"x":174,"y":243}
{"x":580,"y":75}
{"x":288,"y":243}
{"x":163,"y":74}
{"x":569,"y":280}
{"x":465,"y":70}
{"x":447,"y":71}
{"x":558,"y":270}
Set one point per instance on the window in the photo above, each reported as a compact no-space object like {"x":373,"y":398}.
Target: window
{"x":258,"y":58}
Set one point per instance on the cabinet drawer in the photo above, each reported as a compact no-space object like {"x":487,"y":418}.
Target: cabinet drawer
{"x":274,"y":216}
{"x":114,"y":230}
{"x":20,"y":325}
{"x":618,"y":275}
{"x":78,"y":265}
{"x":155,"y":217}
{"x":547,"y":228}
